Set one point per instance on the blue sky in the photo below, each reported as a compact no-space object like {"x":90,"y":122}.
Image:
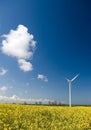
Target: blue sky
{"x":61,"y":31}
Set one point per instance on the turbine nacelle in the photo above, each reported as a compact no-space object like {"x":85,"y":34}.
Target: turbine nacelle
{"x":68,"y":80}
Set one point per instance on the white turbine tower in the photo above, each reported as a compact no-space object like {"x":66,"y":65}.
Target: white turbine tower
{"x":70,"y":85}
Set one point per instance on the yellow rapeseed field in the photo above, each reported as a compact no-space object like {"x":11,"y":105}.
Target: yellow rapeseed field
{"x":32,"y":117}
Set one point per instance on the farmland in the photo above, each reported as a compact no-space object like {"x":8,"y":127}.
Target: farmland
{"x":34,"y":117}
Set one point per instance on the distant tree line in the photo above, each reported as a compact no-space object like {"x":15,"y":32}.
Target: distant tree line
{"x":50,"y":103}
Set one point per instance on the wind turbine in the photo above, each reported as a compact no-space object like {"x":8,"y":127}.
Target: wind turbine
{"x":70,"y":85}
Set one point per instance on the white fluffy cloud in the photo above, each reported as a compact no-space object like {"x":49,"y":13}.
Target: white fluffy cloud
{"x":19,"y":44}
{"x":16,"y":99}
{"x":3,"y":89}
{"x":25,"y":65}
{"x":3,"y":71}
{"x":42,"y":77}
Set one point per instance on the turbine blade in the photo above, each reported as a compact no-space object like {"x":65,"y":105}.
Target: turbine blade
{"x":67,"y":79}
{"x":75,"y":77}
